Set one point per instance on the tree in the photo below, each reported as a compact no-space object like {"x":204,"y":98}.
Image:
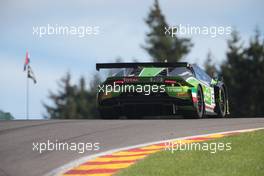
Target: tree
{"x":255,"y":61}
{"x":91,"y":95}
{"x":163,"y":47}
{"x":81,"y":100}
{"x":243,"y":74}
{"x":232,"y":69}
{"x":6,"y":116}
{"x":63,"y":100}
{"x":209,"y":66}
{"x":73,"y":101}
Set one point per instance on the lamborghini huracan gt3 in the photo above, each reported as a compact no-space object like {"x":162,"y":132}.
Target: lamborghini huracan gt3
{"x":160,"y":89}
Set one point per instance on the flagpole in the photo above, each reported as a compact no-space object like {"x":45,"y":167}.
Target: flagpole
{"x":31,"y":75}
{"x":27,"y":98}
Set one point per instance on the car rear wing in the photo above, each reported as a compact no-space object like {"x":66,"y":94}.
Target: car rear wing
{"x":140,"y":64}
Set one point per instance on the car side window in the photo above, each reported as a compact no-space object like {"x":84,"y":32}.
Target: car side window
{"x":118,"y":72}
{"x":201,"y":75}
{"x":180,"y":71}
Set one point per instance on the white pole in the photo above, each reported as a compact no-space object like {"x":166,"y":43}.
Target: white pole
{"x":27,"y":98}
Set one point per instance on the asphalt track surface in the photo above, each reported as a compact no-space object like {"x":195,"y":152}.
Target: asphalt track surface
{"x":16,"y":137}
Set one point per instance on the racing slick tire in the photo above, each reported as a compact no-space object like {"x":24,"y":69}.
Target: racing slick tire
{"x":200,"y":108}
{"x":221,"y":102}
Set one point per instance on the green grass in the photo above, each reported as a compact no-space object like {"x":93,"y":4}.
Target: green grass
{"x":246,"y":158}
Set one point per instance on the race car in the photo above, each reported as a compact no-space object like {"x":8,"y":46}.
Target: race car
{"x":157,"y":88}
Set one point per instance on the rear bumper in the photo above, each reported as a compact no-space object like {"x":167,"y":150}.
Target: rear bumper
{"x":117,"y":101}
{"x":145,"y":105}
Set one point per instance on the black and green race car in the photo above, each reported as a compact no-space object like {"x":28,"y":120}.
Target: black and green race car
{"x":152,"y":89}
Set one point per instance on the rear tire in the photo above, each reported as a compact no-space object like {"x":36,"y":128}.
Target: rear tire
{"x":221,"y":103}
{"x":200,"y":107}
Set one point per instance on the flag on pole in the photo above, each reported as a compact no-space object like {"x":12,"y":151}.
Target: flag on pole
{"x":31,"y":74}
{"x":26,"y":61}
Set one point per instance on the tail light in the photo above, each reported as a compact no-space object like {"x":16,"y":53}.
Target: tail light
{"x":119,"y":82}
{"x":169,"y":81}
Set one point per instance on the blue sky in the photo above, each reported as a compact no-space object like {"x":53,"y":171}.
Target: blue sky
{"x":122,"y":32}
